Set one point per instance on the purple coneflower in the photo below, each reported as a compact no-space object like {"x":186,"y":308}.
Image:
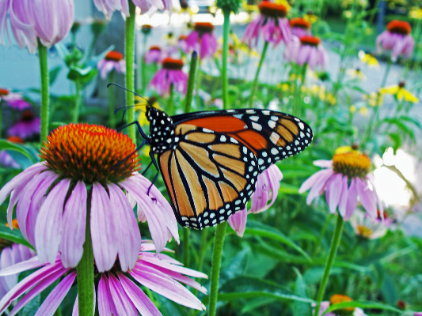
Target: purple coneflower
{"x":267,"y":186}
{"x":307,"y":50}
{"x":154,"y":55}
{"x":170,"y":75}
{"x":182,"y":43}
{"x":48,"y":20}
{"x":14,"y":100}
{"x":368,"y":227}
{"x":27,"y":126}
{"x":112,"y":61}
{"x":398,"y":39}
{"x":109,"y":6}
{"x":300,"y":27}
{"x":336,"y":299}
{"x":344,"y":179}
{"x":202,"y":39}
{"x":272,"y":23}
{"x":6,"y":159}
{"x":117,"y":292}
{"x":88,"y":165}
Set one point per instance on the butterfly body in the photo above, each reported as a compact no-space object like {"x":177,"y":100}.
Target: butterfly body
{"x":210,"y":160}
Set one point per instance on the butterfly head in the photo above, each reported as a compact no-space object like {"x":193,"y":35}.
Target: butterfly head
{"x":161,"y":129}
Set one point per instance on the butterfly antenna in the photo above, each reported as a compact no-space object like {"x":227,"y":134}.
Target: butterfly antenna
{"x":117,"y":85}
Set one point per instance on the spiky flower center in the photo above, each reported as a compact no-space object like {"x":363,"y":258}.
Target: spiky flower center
{"x":15,"y":139}
{"x":172,"y":63}
{"x":4,"y":92}
{"x":399,"y":27}
{"x":91,"y":153}
{"x":352,"y":164}
{"x":310,"y":40}
{"x":114,"y":56}
{"x":300,"y":23}
{"x":272,"y":9}
{"x":158,"y":48}
{"x":364,"y":231}
{"x":204,"y":27}
{"x":339,"y":298}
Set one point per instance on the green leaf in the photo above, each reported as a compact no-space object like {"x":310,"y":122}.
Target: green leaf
{"x":299,"y":308}
{"x":288,"y":188}
{"x":53,"y":74}
{"x":13,"y":236}
{"x":6,"y":145}
{"x":257,"y":229}
{"x":256,"y":303}
{"x":361,"y":305}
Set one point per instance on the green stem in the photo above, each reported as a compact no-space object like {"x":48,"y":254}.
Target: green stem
{"x":130,"y":70}
{"x":170,"y":109}
{"x":298,"y":98}
{"x":255,"y":82}
{"x":112,"y":118}
{"x":45,"y":94}
{"x":186,"y":245}
{"x":142,"y":69}
{"x":202,"y":249}
{"x":226,"y":30}
{"x":215,"y":266}
{"x":91,"y":47}
{"x":335,"y":242}
{"x":85,"y":273}
{"x":76,"y":110}
{"x":191,"y":81}
{"x":387,"y":70}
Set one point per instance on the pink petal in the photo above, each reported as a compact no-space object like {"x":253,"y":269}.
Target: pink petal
{"x":21,"y":266}
{"x":123,"y":304}
{"x":335,"y":188}
{"x":344,"y":196}
{"x":238,"y":222}
{"x":352,"y":199}
{"x":154,"y":260}
{"x":366,"y":197}
{"x":105,"y":303}
{"x":318,"y":186}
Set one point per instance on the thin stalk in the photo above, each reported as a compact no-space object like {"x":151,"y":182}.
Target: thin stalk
{"x":418,"y":34}
{"x":387,"y":70}
{"x":142,"y":69}
{"x":76,"y":110}
{"x":85,"y":273}
{"x":170,"y":109}
{"x":335,"y":242}
{"x":226,"y":30}
{"x":215,"y":266}
{"x":91,"y":46}
{"x":130,"y":69}
{"x":374,"y":10}
{"x":191,"y":81}
{"x":202,"y":249}
{"x":186,"y":245}
{"x":111,"y":115}
{"x":298,"y":97}
{"x":45,"y":94}
{"x":255,"y":82}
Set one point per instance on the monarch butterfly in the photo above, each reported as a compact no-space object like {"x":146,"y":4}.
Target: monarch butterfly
{"x":210,"y":160}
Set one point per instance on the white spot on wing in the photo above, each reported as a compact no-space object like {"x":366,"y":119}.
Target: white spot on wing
{"x":274,"y":138}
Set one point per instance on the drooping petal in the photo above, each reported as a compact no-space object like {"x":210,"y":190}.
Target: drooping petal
{"x":238,"y":221}
{"x":29,"y":264}
{"x":344,"y":196}
{"x":105,"y":302}
{"x":123,"y":304}
{"x":48,"y":227}
{"x":352,"y":199}
{"x":335,"y":190}
{"x":317,"y":188}
{"x":74,"y":219}
{"x":367,"y":198}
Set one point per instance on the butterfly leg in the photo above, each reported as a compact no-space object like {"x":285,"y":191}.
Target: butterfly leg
{"x":145,"y":171}
{"x":140,"y":130}
{"x":126,"y":158}
{"x":153,"y":161}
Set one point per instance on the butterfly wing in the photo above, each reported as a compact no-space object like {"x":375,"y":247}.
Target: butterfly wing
{"x":271,"y":135}
{"x":209,"y":176}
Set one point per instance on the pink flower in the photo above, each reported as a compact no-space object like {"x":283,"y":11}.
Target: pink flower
{"x":112,"y":61}
{"x":344,"y":179}
{"x":326,"y":304}
{"x":307,"y":50}
{"x":14,"y":100}
{"x":115,"y":292}
{"x":267,"y":186}
{"x":27,"y":126}
{"x":202,"y":39}
{"x":417,"y":314}
{"x":182,"y":43}
{"x":398,"y":39}
{"x":48,"y":20}
{"x":300,"y":27}
{"x":272,"y":23}
{"x":109,"y":6}
{"x":6,"y":159}
{"x":52,"y":199}
{"x":153,"y":56}
{"x":10,"y":256}
{"x":368,"y":227}
{"x":170,"y":75}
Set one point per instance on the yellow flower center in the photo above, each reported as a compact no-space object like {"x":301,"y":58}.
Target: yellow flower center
{"x":352,"y":164}
{"x":339,"y":298}
{"x":91,"y":153}
{"x":364,"y":231}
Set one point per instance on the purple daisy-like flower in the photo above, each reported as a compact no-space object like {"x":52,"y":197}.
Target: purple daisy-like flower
{"x":368,"y":227}
{"x":154,"y":55}
{"x":272,"y":23}
{"x":202,"y":39}
{"x":170,"y":75}
{"x":344,"y":179}
{"x":27,"y":126}
{"x":85,"y":169}
{"x":117,"y":291}
{"x":48,"y":20}
{"x":14,"y":100}
{"x":267,"y":186}
{"x":351,"y":311}
{"x":109,"y":6}
{"x":182,"y":43}
{"x":398,"y":39}
{"x":300,"y":27}
{"x":417,"y":314}
{"x":112,"y":61}
{"x":307,"y":50}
